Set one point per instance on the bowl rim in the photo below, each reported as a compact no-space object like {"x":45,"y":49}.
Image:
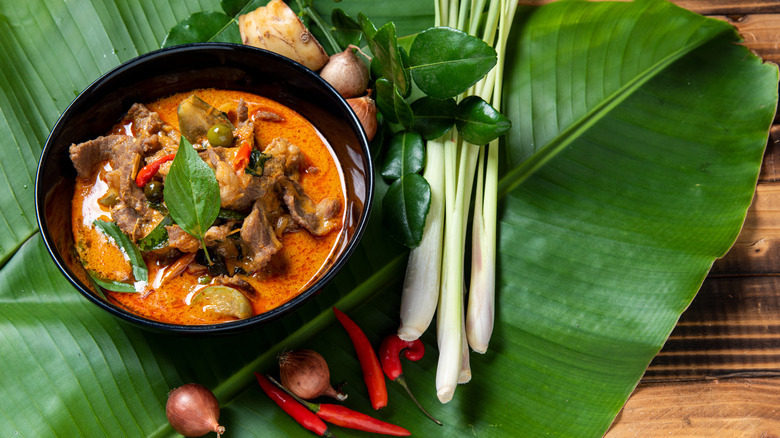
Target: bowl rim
{"x":256,"y":321}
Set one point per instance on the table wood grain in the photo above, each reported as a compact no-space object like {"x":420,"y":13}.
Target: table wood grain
{"x":718,"y":375}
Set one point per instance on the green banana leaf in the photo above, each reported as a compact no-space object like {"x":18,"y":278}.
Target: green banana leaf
{"x":638,"y":131}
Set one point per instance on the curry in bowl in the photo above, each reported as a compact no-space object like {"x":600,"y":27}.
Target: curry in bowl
{"x":281,"y":207}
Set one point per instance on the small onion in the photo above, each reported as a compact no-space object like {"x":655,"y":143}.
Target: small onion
{"x":305,"y":373}
{"x":193,"y":410}
{"x":365,"y":109}
{"x":346,"y":73}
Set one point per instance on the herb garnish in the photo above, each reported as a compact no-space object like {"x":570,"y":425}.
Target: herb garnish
{"x":192,"y":192}
{"x":158,"y":237}
{"x":111,"y":229}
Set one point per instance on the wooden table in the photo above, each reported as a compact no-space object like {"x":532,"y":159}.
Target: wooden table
{"x":719,"y":373}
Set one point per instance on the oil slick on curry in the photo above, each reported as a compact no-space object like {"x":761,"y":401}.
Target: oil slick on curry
{"x":280,"y":216}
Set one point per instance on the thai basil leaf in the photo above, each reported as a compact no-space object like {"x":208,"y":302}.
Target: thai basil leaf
{"x":392,"y":104}
{"x":478,"y":122}
{"x":405,"y":207}
{"x":191,"y":191}
{"x":445,"y":62}
{"x":256,"y":164}
{"x":111,"y":285}
{"x":157,"y":238}
{"x":111,"y":229}
{"x":345,"y":29}
{"x":433,"y":117}
{"x":406,"y":154}
{"x":202,"y":27}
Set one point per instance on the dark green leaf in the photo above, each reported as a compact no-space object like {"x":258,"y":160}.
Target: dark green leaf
{"x":478,"y":122}
{"x":382,"y":131}
{"x":433,"y":117}
{"x":191,"y":191}
{"x":367,"y":26}
{"x":388,"y":58}
{"x":198,"y":28}
{"x":392,"y":104}
{"x":158,"y":237}
{"x":111,"y":285}
{"x":233,"y":7}
{"x":405,"y":207}
{"x":256,"y":164}
{"x":230,"y":215}
{"x":111,"y":229}
{"x":345,"y":29}
{"x":446,"y":62}
{"x":405,"y":154}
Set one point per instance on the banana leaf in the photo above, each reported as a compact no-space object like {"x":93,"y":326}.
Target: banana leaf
{"x":638,"y":132}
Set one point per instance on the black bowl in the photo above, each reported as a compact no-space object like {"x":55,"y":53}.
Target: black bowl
{"x":181,"y":68}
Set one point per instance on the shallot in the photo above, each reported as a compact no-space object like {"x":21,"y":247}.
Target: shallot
{"x":305,"y":373}
{"x":346,"y":73}
{"x":365,"y":110}
{"x":193,"y":410}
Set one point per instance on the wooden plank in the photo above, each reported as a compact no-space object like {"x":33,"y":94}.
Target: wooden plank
{"x":757,"y":248}
{"x":729,"y":7}
{"x":707,"y":7}
{"x":761,"y":33}
{"x":732,"y":328}
{"x":733,"y":408}
{"x":770,"y":168}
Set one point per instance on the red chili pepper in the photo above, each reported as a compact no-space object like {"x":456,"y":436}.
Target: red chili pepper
{"x":242,"y":156}
{"x":389,"y":354}
{"x":369,"y":363}
{"x":147,"y":172}
{"x":346,"y":417}
{"x":300,"y":413}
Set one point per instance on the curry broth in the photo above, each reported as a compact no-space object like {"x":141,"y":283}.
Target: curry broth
{"x":302,"y":257}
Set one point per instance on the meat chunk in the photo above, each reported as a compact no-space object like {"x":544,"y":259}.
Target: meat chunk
{"x":145,"y":123}
{"x":87,"y":155}
{"x":259,"y":240}
{"x":242,"y":111}
{"x":237,"y":190}
{"x":315,"y":218}
{"x":181,"y":240}
{"x":286,"y":159}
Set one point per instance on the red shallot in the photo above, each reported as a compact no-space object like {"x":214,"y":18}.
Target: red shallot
{"x":305,"y":373}
{"x":346,"y":73}
{"x":193,"y":410}
{"x":365,"y":110}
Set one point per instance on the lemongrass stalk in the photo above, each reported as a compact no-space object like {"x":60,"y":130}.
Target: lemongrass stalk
{"x":463,"y":12}
{"x":480,"y":314}
{"x":477,"y":7}
{"x":450,"y":312}
{"x":452,"y":15}
{"x":439,"y":13}
{"x":422,"y":282}
{"x":465,"y":362}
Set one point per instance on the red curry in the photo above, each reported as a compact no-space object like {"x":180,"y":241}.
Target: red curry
{"x":297,"y":215}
